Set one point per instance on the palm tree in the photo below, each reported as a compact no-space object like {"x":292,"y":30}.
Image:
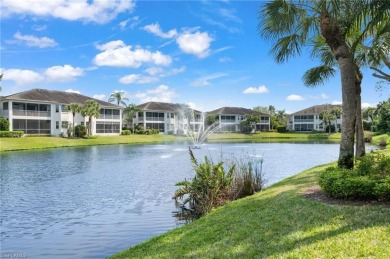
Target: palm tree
{"x":130,"y":111}
{"x":282,"y":117}
{"x":74,"y":108}
{"x":336,"y":111}
{"x":370,"y":112}
{"x":294,"y":25}
{"x":90,"y":109}
{"x":118,"y":96}
{"x":327,"y":118}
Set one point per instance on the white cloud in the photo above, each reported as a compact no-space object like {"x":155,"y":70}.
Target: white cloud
{"x":32,"y":41}
{"x":153,"y":71}
{"x":98,"y":11}
{"x":197,"y":43}
{"x":204,"y":81}
{"x":320,"y":96}
{"x":72,"y":91}
{"x":134,"y":21}
{"x":295,"y":97}
{"x":162,"y":93}
{"x":256,"y":90}
{"x":229,"y":14}
{"x":63,"y":73}
{"x":156,"y":30}
{"x":225,"y":59}
{"x":51,"y":74}
{"x":138,"y":79}
{"x":366,"y":105}
{"x":192,"y":105}
{"x":99,"y":96}
{"x":117,"y":54}
{"x":22,"y":77}
{"x":39,"y":27}
{"x":336,"y":103}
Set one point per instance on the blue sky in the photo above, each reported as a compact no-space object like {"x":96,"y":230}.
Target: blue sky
{"x":204,"y":53}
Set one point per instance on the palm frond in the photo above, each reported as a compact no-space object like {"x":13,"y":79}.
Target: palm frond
{"x":287,"y":47}
{"x":318,"y":75}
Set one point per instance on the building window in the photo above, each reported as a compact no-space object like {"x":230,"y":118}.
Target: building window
{"x":172,"y":115}
{"x":32,"y":126}
{"x":5,"y":106}
{"x":64,"y":108}
{"x":57,"y":108}
{"x":57,"y":124}
{"x":64,"y":124}
{"x":107,"y":127}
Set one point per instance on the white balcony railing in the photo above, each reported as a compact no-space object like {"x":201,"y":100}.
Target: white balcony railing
{"x":109,"y":117}
{"x":31,"y":113}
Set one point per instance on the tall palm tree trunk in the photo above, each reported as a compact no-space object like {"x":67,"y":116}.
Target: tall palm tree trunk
{"x":331,"y":32}
{"x":360,"y":146}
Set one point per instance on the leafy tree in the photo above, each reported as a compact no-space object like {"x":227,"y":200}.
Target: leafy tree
{"x":129,"y":113}
{"x":73,"y":108}
{"x":262,"y":109}
{"x":118,"y":96}
{"x":383,"y":112}
{"x":4,"y":124}
{"x":90,"y":109}
{"x":249,"y":124}
{"x":210,"y":119}
{"x":370,"y":113}
{"x":294,"y":25}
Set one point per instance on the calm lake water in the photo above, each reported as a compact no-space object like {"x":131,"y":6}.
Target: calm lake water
{"x":92,"y":202}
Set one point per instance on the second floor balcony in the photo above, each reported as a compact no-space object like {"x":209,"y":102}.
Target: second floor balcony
{"x":109,"y":117}
{"x":31,"y":113}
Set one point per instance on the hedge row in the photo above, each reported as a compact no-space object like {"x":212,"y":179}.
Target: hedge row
{"x":370,"y":180}
{"x":11,"y":134}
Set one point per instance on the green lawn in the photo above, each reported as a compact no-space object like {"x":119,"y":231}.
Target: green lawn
{"x":10,"y":144}
{"x":278,"y":222}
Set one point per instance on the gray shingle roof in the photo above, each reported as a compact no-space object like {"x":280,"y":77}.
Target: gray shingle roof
{"x":235,"y":111}
{"x":54,"y":96}
{"x":316,"y":109}
{"x":160,"y":106}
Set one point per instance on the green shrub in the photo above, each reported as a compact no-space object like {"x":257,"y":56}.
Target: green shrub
{"x":208,"y":189}
{"x":126,"y":132}
{"x":90,"y":137}
{"x":367,"y":125}
{"x":369,"y":180}
{"x":170,"y":132}
{"x":332,"y":128}
{"x":80,"y":131}
{"x":382,"y":190}
{"x":248,"y":177}
{"x":11,"y":134}
{"x":37,"y":135}
{"x":281,"y":129}
{"x":216,"y":184}
{"x":4,"y":124}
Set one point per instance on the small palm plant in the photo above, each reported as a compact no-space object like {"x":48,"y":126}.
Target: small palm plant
{"x":208,"y":189}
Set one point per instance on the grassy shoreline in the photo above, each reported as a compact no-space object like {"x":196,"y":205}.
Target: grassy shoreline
{"x":279,"y":222}
{"x":31,"y":143}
